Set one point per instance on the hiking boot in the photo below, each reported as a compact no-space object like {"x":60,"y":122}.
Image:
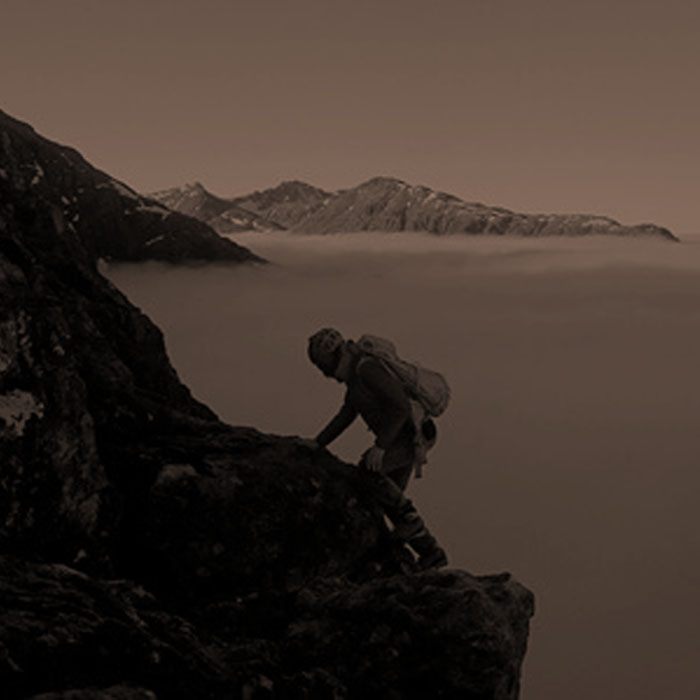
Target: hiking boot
{"x":435,"y":560}
{"x":410,"y":526}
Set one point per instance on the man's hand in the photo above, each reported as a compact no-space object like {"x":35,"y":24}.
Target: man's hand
{"x":373,"y":459}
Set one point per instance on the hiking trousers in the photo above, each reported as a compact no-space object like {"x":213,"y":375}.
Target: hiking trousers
{"x":388,"y":487}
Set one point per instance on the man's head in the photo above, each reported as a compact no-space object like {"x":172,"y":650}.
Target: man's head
{"x":325,"y":350}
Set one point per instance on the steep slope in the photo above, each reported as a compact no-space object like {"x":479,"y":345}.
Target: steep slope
{"x":111,"y":219}
{"x":269,"y":572}
{"x":388,"y":204}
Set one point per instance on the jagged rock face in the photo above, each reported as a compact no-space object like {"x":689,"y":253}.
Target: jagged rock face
{"x":111,"y":219}
{"x":61,"y":630}
{"x":233,"y":519}
{"x":81,"y":370}
{"x":437,"y":634}
{"x":277,"y":573}
{"x":387,"y":204}
{"x":433,"y":635}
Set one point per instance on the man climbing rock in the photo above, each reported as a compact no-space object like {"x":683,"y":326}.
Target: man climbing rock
{"x":376,"y":394}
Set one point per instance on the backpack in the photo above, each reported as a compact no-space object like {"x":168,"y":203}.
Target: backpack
{"x":426,"y":386}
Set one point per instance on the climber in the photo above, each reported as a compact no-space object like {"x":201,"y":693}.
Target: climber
{"x":375,"y":394}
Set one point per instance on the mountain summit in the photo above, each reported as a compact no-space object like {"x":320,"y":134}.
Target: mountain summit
{"x":289,"y":204}
{"x":392,"y":205}
{"x":389,"y":204}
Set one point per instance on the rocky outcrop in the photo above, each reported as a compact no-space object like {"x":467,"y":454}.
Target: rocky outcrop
{"x":111,"y":219}
{"x":387,"y":204}
{"x":147,"y":549}
{"x":63,"y":631}
{"x":82,"y":372}
{"x":66,"y":635}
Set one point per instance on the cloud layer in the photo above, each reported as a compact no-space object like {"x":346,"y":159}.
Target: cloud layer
{"x":568,"y":455}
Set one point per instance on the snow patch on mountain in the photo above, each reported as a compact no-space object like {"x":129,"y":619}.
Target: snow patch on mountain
{"x":39,"y":173}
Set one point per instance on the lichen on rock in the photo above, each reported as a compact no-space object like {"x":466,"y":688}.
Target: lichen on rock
{"x":17,"y":408}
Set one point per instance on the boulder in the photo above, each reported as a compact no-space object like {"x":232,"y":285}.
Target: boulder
{"x":436,"y":634}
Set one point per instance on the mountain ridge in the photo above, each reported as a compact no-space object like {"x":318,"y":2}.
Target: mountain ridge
{"x":388,"y":204}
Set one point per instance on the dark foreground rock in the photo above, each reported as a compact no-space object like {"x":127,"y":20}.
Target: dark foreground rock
{"x":436,"y":634}
{"x":147,"y":549}
{"x":62,"y":630}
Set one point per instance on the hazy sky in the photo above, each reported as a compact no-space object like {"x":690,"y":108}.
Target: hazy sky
{"x":536,"y":105}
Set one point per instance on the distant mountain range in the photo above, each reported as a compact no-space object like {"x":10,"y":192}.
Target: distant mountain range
{"x":381,"y":204}
{"x":277,"y":209}
{"x":111,"y":219}
{"x":183,"y":224}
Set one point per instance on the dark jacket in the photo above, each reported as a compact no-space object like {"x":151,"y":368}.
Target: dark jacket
{"x":374,"y":393}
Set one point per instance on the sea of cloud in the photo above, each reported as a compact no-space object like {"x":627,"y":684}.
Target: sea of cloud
{"x":569,"y":453}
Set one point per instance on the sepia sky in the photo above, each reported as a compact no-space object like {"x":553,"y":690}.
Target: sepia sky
{"x":535,"y":105}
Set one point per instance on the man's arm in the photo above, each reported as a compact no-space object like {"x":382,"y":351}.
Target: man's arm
{"x":337,"y":425}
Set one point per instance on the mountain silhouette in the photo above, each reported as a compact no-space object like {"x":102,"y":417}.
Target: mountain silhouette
{"x":391,"y":205}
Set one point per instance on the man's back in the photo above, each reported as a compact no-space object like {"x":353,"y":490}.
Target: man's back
{"x":379,"y":397}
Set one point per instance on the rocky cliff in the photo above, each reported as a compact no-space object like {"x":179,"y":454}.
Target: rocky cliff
{"x":388,"y":204}
{"x":149,"y":550}
{"x":111,"y":219}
